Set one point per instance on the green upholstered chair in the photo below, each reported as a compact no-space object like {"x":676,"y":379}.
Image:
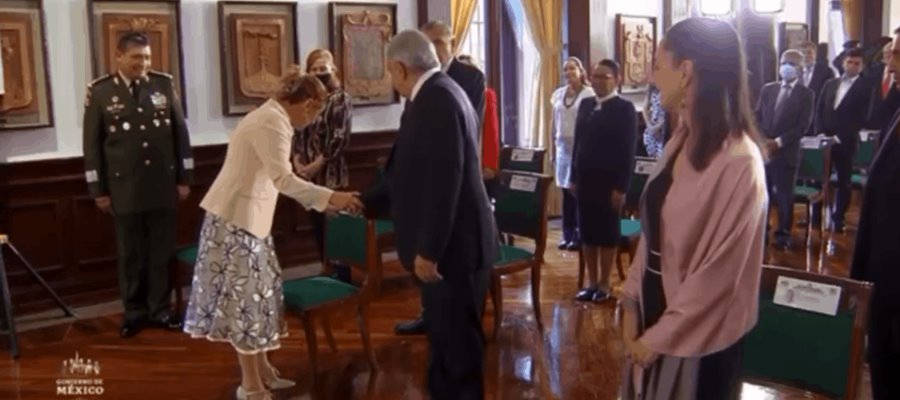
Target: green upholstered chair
{"x":184,"y":256}
{"x":811,"y":351}
{"x":522,"y":159}
{"x":813,"y":177}
{"x":630,"y":226}
{"x":520,"y":209}
{"x":351,"y":241}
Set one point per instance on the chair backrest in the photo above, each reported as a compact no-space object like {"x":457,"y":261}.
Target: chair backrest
{"x":643,"y":167}
{"x":352,"y":241}
{"x":522,"y":159}
{"x":815,"y":158}
{"x":520,"y":206}
{"x":868,"y":143}
{"x":816,"y":351}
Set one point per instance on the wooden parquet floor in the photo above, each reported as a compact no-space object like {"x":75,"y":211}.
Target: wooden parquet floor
{"x":578,"y":356}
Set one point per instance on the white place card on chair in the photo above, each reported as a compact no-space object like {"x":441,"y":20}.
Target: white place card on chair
{"x":522,"y":155}
{"x":807,"y":295}
{"x":644,"y":166}
{"x":523,"y":183}
{"x":868,"y":135}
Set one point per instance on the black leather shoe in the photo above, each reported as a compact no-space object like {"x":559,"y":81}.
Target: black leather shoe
{"x":130,"y":329}
{"x":168,"y":322}
{"x":573,"y":246}
{"x":600,"y":296}
{"x":414,"y":327}
{"x":585,"y":294}
{"x":562,"y":245}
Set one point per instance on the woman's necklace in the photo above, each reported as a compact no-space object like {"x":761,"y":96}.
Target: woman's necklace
{"x":567,"y":103}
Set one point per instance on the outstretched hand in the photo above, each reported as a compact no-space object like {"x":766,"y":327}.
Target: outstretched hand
{"x":345,"y":201}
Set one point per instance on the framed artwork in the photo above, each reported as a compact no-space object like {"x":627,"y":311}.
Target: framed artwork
{"x":360,"y":33}
{"x":25,"y":98}
{"x":635,"y":48}
{"x":160,"y":20}
{"x":791,"y":34}
{"x":258,"y":44}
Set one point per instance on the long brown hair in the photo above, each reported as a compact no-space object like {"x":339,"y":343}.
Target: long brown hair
{"x":721,"y":106}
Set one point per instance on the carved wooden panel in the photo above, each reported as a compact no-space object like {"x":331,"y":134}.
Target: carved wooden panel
{"x":17,"y":50}
{"x":25,"y":100}
{"x":258,"y":46}
{"x":360,"y":35}
{"x":158,"y":19}
{"x":636,"y":46}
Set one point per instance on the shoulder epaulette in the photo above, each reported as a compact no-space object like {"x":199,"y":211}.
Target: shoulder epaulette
{"x":98,"y":80}
{"x":159,"y":74}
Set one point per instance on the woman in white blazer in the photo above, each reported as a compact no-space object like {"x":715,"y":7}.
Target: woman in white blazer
{"x":236,"y":295}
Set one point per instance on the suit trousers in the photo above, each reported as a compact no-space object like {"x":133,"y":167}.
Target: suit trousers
{"x":453,"y":309}
{"x":780,"y":179}
{"x":884,"y":351}
{"x":842,"y":164}
{"x":569,"y":217}
{"x":146,"y":244}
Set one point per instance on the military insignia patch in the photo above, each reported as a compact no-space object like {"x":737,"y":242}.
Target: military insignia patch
{"x":159,"y":100}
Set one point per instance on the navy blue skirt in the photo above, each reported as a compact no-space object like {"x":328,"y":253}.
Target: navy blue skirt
{"x":598,"y":222}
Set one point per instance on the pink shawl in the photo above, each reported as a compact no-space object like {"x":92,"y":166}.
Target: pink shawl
{"x":713,"y":227}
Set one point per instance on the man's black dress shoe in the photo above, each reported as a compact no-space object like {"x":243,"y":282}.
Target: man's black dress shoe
{"x":414,"y":327}
{"x":168,"y":322}
{"x":130,"y":329}
{"x":586,"y":294}
{"x":573,"y":246}
{"x":563,"y":244}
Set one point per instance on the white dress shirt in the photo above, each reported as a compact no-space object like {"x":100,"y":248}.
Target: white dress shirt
{"x":422,"y":79}
{"x":601,"y":100}
{"x":843,"y":88}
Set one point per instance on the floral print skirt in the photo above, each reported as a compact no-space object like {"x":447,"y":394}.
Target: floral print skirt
{"x":236,"y":294}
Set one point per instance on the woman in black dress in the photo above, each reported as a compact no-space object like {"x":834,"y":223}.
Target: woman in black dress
{"x":602,"y":159}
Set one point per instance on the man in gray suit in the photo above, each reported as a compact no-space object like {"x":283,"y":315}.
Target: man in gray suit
{"x":784,"y":113}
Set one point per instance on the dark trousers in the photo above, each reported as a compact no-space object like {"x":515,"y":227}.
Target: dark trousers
{"x":569,"y":217}
{"x":318,"y":224}
{"x":780,"y":178}
{"x":842,"y":164}
{"x":884,"y":352}
{"x":719,"y":375}
{"x":146,"y":243}
{"x":453,"y":309}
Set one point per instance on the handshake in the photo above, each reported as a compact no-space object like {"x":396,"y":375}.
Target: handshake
{"x":348,"y":202}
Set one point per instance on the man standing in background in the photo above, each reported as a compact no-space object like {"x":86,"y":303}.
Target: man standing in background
{"x":815,"y":74}
{"x":137,"y":158}
{"x":472,"y":81}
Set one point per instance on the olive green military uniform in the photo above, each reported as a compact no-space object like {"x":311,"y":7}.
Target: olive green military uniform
{"x":136,"y":150}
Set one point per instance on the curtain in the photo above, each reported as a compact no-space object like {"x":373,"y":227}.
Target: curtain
{"x":852,"y":11}
{"x":461,"y":12}
{"x":545,"y":22}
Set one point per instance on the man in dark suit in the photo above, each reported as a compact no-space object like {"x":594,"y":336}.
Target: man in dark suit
{"x":472,"y":81}
{"x":784,"y":113}
{"x":444,"y":227}
{"x":843,"y":108}
{"x":815,"y":74}
{"x":877,"y":251}
{"x":884,"y":104}
{"x":138,"y":162}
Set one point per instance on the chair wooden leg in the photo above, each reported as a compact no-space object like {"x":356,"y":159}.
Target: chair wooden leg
{"x":536,"y":293}
{"x":362,"y":317}
{"x":326,"y":326}
{"x":309,"y":328}
{"x":497,"y":298}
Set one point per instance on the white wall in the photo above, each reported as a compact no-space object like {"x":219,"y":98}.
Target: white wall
{"x":70,"y":71}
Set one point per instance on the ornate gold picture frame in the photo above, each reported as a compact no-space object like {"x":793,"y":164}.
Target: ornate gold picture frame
{"x":360,"y":33}
{"x":258,"y":44}
{"x":635,"y":50}
{"x":26,"y":101}
{"x":791,"y":34}
{"x":160,"y":20}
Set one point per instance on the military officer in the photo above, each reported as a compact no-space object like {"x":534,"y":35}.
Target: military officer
{"x":138,"y":160}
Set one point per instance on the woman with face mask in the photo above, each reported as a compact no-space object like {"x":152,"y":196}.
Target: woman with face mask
{"x":318,"y":149}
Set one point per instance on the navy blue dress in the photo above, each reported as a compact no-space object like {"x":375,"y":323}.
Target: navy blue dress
{"x":602,"y":161}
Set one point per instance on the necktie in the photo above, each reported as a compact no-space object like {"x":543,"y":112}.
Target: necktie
{"x":782,"y":96}
{"x":886,"y":83}
{"x":807,"y":76}
{"x":134,"y":90}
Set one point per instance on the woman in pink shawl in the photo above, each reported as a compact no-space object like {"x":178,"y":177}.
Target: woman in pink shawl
{"x":691,"y":294}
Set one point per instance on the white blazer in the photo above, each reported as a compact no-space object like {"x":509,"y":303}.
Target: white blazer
{"x":257,"y":167}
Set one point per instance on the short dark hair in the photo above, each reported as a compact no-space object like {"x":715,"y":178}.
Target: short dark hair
{"x":611,"y":64}
{"x":132,"y":38}
{"x":855,"y":52}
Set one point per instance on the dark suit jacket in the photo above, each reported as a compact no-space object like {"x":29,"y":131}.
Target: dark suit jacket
{"x":820,"y":74}
{"x":432,"y":186}
{"x":849,"y":117}
{"x":877,"y":251}
{"x":882,"y":109}
{"x":472,"y":81}
{"x":605,"y":144}
{"x":790,"y":124}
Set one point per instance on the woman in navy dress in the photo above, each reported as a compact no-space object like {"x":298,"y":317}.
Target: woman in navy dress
{"x":603,"y":157}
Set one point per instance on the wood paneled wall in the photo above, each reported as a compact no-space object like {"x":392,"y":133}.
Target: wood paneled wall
{"x":45,"y":209}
